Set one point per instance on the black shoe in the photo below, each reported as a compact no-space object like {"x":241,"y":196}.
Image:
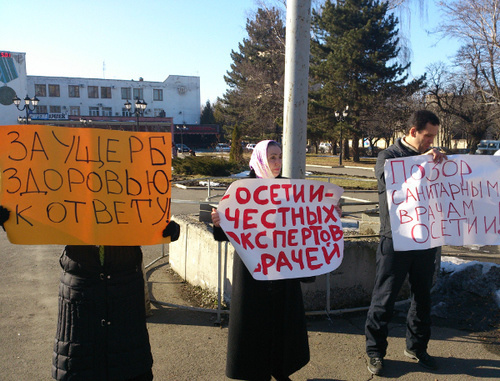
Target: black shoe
{"x":423,"y":358}
{"x":376,"y":365}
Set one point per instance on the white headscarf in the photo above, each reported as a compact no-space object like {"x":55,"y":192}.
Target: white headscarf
{"x":258,"y":161}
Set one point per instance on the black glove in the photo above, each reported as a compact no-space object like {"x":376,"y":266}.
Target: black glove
{"x":172,"y":230}
{"x":4,"y":215}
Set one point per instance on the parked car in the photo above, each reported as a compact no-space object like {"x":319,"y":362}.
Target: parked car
{"x":325,"y":147}
{"x":250,"y":146}
{"x":182,"y":148}
{"x":223,"y":147}
{"x":488,"y":147}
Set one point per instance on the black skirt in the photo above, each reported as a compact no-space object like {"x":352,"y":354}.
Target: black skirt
{"x":101,"y":328}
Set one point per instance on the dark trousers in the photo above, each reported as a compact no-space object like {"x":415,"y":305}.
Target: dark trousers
{"x":392,"y":267}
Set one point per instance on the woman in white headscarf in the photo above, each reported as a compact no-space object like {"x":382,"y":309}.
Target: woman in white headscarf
{"x":267,"y":327}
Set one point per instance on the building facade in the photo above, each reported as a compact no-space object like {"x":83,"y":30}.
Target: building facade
{"x":63,"y":98}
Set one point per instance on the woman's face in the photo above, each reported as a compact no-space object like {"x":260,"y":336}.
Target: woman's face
{"x":274,"y":159}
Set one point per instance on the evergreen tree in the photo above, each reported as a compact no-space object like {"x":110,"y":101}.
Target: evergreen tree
{"x":207,"y":114}
{"x":255,"y":95}
{"x":353,"y":53}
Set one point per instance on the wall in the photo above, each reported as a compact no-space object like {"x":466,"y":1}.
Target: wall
{"x":181,"y":96}
{"x":195,"y":258}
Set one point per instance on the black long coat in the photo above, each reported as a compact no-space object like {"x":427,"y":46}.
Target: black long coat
{"x":101,"y":329}
{"x":267,"y":325}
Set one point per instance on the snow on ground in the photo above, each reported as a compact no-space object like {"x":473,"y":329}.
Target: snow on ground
{"x":453,"y":265}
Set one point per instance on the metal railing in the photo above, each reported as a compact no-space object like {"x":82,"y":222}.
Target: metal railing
{"x":219,"y":311}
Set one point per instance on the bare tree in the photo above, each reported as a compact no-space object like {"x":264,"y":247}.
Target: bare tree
{"x":475,"y":23}
{"x":454,"y":95}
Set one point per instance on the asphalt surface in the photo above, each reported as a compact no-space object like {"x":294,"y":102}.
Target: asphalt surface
{"x":188,"y":345}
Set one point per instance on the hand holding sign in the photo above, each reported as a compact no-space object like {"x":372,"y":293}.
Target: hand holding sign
{"x":284,"y":228}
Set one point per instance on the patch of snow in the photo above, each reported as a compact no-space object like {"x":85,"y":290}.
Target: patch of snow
{"x":212,"y":184}
{"x":452,"y":264}
{"x":241,"y":174}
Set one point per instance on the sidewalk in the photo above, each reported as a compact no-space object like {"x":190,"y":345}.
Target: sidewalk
{"x":188,"y":346}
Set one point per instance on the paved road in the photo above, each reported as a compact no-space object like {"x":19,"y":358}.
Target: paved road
{"x":367,"y":172}
{"x":188,"y":346}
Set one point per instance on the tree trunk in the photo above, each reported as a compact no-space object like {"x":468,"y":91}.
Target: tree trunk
{"x":355,"y":148}
{"x":345,"y":151}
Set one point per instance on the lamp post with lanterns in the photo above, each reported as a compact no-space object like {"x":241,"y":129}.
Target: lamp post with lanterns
{"x":28,"y":102}
{"x":341,"y":118}
{"x":85,"y":122}
{"x":140,"y":107}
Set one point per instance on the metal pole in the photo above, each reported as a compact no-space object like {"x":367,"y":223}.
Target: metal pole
{"x":186,"y":251}
{"x":298,"y":25}
{"x":328,"y":290}
{"x":219,"y":283}
{"x":340,"y":146}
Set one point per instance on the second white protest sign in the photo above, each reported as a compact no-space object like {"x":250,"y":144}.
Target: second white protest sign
{"x":284,"y":228}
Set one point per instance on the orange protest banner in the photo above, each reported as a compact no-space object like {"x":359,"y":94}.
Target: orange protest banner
{"x":85,"y":186}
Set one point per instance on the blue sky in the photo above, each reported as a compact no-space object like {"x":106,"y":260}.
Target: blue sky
{"x":153,"y":38}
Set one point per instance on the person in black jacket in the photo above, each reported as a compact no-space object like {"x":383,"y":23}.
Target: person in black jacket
{"x":101,"y":327}
{"x":393,"y":266}
{"x":267,"y":326}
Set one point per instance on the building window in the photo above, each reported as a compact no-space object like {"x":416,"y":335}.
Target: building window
{"x":125,"y":112}
{"x":74,"y":91}
{"x":54,"y":91}
{"x":41,"y":90}
{"x":157,"y":94}
{"x":93,"y":91}
{"x":40,"y":109}
{"x":74,"y":110}
{"x":138,"y":94}
{"x":93,"y":111}
{"x":55,"y":109}
{"x":107,"y":111}
{"x":105,"y":92}
{"x":126,"y":93}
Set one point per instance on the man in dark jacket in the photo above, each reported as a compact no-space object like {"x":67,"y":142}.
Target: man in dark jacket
{"x":393,"y":266}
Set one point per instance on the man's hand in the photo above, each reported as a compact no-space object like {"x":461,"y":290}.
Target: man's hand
{"x":437,"y":155}
{"x":215,"y":217}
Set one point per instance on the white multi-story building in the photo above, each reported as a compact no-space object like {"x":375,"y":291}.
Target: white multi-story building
{"x":59,"y":98}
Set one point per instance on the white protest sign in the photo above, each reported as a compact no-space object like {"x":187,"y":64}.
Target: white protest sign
{"x":284,"y":228}
{"x":456,"y":202}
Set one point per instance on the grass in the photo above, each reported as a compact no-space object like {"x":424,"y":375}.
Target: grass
{"x":333,"y":161}
{"x":344,"y":181}
{"x":347,"y":182}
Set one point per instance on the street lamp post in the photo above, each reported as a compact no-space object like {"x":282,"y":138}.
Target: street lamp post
{"x":182,"y":130}
{"x":341,"y":118}
{"x":140,"y":107}
{"x":27,"y":101}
